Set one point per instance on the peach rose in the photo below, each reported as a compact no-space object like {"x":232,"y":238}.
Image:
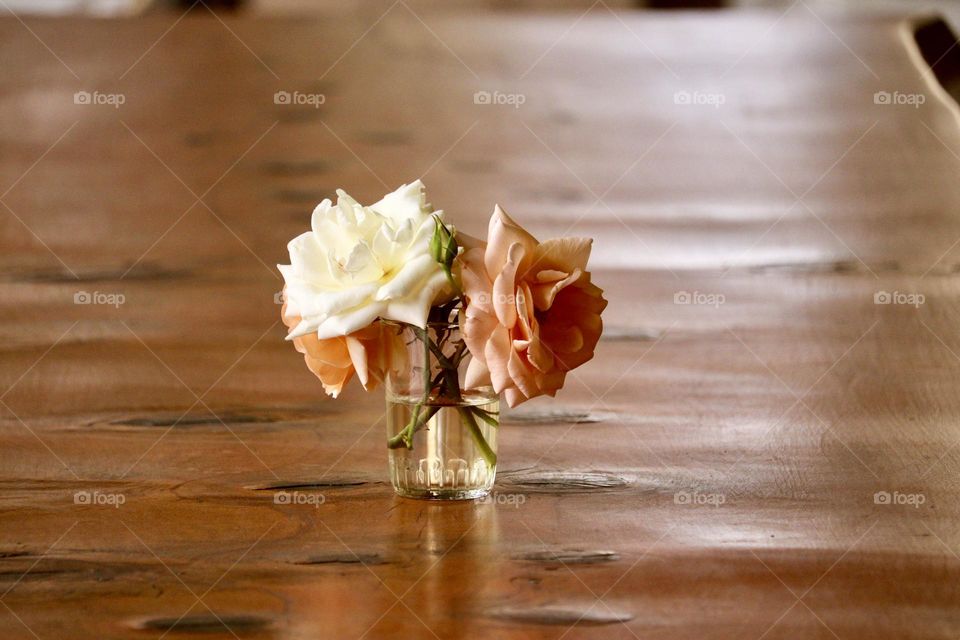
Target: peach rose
{"x":335,"y":360}
{"x":532,"y":312}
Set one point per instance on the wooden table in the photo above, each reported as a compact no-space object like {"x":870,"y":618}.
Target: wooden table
{"x":776,"y":459}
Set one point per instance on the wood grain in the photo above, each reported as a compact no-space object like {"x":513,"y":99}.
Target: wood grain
{"x":711,"y":474}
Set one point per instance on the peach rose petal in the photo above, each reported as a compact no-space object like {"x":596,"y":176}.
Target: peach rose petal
{"x":358,"y":357}
{"x":526,"y":325}
{"x":502,"y":233}
{"x":477,"y":374}
{"x":543,"y":293}
{"x":540,"y":356}
{"x":474,"y":277}
{"x":563,"y":339}
{"x":563,"y":254}
{"x":514,"y":397}
{"x":496,"y":354}
{"x":503,"y":287}
{"x":477,"y":327}
{"x":521,"y":375}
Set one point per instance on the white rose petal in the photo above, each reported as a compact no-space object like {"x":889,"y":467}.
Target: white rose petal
{"x":409,"y":310}
{"x":408,"y":278}
{"x":407,"y":202}
{"x":358,"y":263}
{"x":346,"y":323}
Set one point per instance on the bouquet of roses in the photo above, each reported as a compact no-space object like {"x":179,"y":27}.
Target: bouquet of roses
{"x":392,"y":292}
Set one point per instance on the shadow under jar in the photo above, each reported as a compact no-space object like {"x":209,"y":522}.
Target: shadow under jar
{"x":441,"y":432}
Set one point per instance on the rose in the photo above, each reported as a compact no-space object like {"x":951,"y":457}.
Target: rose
{"x":532,"y":312}
{"x":367,"y":352}
{"x":359,"y":263}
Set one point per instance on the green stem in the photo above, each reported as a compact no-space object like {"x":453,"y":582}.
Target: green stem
{"x":486,"y":416}
{"x":457,"y":291}
{"x":452,"y":385}
{"x":405,"y":437}
{"x":466,"y":416}
{"x":442,"y":359}
{"x":425,"y":338}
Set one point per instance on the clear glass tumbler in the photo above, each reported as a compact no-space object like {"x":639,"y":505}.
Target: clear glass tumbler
{"x":441,"y":433}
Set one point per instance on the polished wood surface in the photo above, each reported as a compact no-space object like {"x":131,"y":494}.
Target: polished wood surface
{"x":718,"y":471}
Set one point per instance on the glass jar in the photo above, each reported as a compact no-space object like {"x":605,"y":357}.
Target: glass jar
{"x":441,"y":432}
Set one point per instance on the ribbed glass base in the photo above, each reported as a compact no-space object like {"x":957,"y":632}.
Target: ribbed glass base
{"x":446,"y":461}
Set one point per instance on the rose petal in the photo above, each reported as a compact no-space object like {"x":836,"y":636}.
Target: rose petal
{"x":477,"y":374}
{"x":540,"y":355}
{"x":358,"y":357}
{"x":562,"y":339}
{"x":475,"y":281}
{"x":526,"y":327}
{"x":303,"y":328}
{"x":521,"y":375}
{"x":361,"y":265}
{"x":504,"y":299}
{"x":543,"y":294}
{"x":318,"y":303}
{"x":497,"y":352}
{"x":342,"y":324}
{"x":562,"y":254}
{"x":514,"y":397}
{"x":307,"y":259}
{"x":332,"y":352}
{"x":405,"y":281}
{"x":414,"y":309}
{"x":409,"y":201}
{"x":332,"y":378}
{"x":502,"y":233}
{"x":320,"y":213}
{"x":477,"y":328}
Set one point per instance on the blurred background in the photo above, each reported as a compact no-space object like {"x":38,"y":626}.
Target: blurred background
{"x":122,"y":8}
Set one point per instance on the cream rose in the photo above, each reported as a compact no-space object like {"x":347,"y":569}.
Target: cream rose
{"x":361,"y":263}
